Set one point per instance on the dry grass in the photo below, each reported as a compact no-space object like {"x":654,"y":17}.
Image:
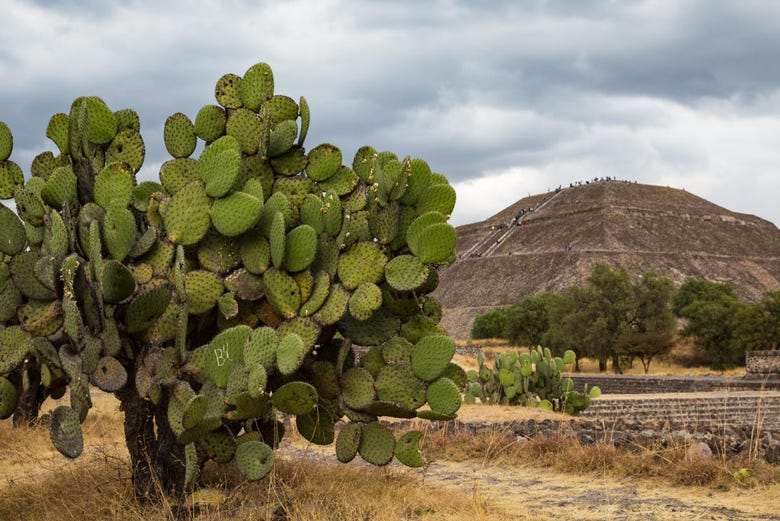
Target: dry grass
{"x":499,"y":447}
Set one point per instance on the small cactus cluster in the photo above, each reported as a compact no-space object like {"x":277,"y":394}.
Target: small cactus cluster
{"x":233,"y":289}
{"x":533,"y":379}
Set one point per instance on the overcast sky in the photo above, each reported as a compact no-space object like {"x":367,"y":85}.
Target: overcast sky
{"x":505,"y":98}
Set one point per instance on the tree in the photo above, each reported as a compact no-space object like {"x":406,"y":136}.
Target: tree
{"x":227,"y":293}
{"x":709,"y":309}
{"x":489,"y":325}
{"x":652,"y":325}
{"x":527,"y":320}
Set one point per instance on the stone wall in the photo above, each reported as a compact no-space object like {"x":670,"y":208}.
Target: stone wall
{"x":630,"y":384}
{"x":763,"y":364}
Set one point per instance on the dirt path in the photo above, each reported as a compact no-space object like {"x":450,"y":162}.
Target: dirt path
{"x":527,"y":493}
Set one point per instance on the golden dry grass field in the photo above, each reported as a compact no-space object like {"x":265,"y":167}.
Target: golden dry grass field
{"x":489,"y":476}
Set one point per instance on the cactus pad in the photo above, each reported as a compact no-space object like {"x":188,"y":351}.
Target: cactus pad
{"x":12,"y":236}
{"x":127,"y":147}
{"x":377,"y":444}
{"x":245,"y":126}
{"x":210,"y":123}
{"x":334,"y":307}
{"x":363,"y":262}
{"x":434,"y":244}
{"x":347,"y":442}
{"x":218,"y":445}
{"x":407,"y":449}
{"x":282,"y":292}
{"x":60,"y":187}
{"x":203,"y":290}
{"x":254,"y":459}
{"x":110,"y":375}
{"x":290,"y":353}
{"x":437,"y":198}
{"x":260,"y":348}
{"x":8,"y":397}
{"x":366,"y":299}
{"x":256,"y":86}
{"x":227,"y":91}
{"x":324,"y":162}
{"x":236,"y":213}
{"x":357,"y":387}
{"x":397,"y":383}
{"x":187,"y":218}
{"x":179,"y":135}
{"x":431,"y":355}
{"x":444,"y":396}
{"x":6,"y":142}
{"x":406,"y":273}
{"x":65,"y":431}
{"x":295,"y":398}
{"x":147,"y":306}
{"x":255,"y":252}
{"x":119,"y":232}
{"x":11,"y":176}
{"x":300,"y":248}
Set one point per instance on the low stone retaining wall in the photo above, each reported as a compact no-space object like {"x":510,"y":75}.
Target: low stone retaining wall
{"x":630,"y":384}
{"x":763,"y":364}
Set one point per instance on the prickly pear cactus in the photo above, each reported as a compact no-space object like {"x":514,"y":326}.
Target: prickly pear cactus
{"x":533,"y":379}
{"x":233,"y":290}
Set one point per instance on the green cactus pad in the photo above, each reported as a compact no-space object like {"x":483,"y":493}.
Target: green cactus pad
{"x":101,"y":122}
{"x":203,"y":290}
{"x":318,"y":295}
{"x":295,"y":398}
{"x":8,"y":398}
{"x":397,"y":383}
{"x":147,"y":306}
{"x":236,"y":213}
{"x":372,"y":361}
{"x":406,"y":273}
{"x":427,"y":414}
{"x":65,"y":431}
{"x":300,"y":248}
{"x":179,"y":135}
{"x":218,"y":253}
{"x":434,"y":244}
{"x":277,"y":202}
{"x":443,"y":396}
{"x":210,"y":123}
{"x":142,"y":193}
{"x":311,"y":213}
{"x":219,"y":164}
{"x":6,"y":142}
{"x":282,"y":292}
{"x":335,"y":305}
{"x":15,"y":344}
{"x":224,"y":352}
{"x":227,"y":90}
{"x":127,"y":119}
{"x":119,"y":232}
{"x":110,"y":375}
{"x":257,"y":86}
{"x":187,"y":218}
{"x":47,"y":271}
{"x":228,"y":305}
{"x":291,"y":162}
{"x":282,"y":107}
{"x":118,"y":282}
{"x":366,"y":299}
{"x":377,"y":444}
{"x":362,"y":162}
{"x":176,"y":173}
{"x":282,"y":137}
{"x":260,"y":349}
{"x":218,"y":445}
{"x":60,"y":188}
{"x":357,"y":387}
{"x":245,"y":126}
{"x":332,"y":214}
{"x":255,"y":253}
{"x":347,"y":442}
{"x":127,"y":147}
{"x":305,"y":328}
{"x":29,"y":205}
{"x":407,"y":449}
{"x":317,"y":426}
{"x":12,"y":236}
{"x":254,"y":460}
{"x":23,"y":276}
{"x":257,"y":381}
{"x":276,"y":239}
{"x":11,"y":176}
{"x":290,"y":354}
{"x":324,"y":162}
{"x":431,"y":355}
{"x":10,"y":299}
{"x":324,"y":379}
{"x":363,"y":262}
{"x":437,"y":198}
{"x":378,"y":328}
{"x":305,"y":113}
{"x":342,"y":183}
{"x":43,"y":165}
{"x":391,"y":409}
{"x":397,"y":350}
{"x":417,"y":182}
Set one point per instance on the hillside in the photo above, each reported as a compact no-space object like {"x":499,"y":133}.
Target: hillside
{"x":639,"y":227}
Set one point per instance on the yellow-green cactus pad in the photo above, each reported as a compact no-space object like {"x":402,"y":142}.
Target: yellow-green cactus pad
{"x":6,"y":142}
{"x":363,"y":262}
{"x":282,"y":137}
{"x":443,"y":396}
{"x":219,"y":164}
{"x":12,"y":236}
{"x":282,"y":292}
{"x":290,"y":354}
{"x":127,"y":147}
{"x":347,"y":442}
{"x":11,"y":176}
{"x":257,"y":86}
{"x":60,"y":188}
{"x":210,"y":123}
{"x":431,"y":356}
{"x":101,"y":122}
{"x":324,"y":162}
{"x":179,"y":135}
{"x":397,"y":383}
{"x":254,"y":460}
{"x":334,"y":307}
{"x":245,"y":126}
{"x":407,"y":449}
{"x":118,"y":282}
{"x":300,"y":248}
{"x":127,"y":119}
{"x":357,"y":388}
{"x":176,"y":173}
{"x":203,"y":290}
{"x":57,"y":131}
{"x":147,"y":306}
{"x":227,"y":91}
{"x":119,"y":232}
{"x":218,"y":253}
{"x":437,"y":198}
{"x":406,"y":273}
{"x":291,"y":162}
{"x":366,"y":299}
{"x":187,"y":218}
{"x":295,"y":398}
{"x":260,"y":349}
{"x":236,"y":213}
{"x":29,"y":205}
{"x":255,"y":252}
{"x":377,"y":444}
{"x":110,"y":375}
{"x":8,"y":398}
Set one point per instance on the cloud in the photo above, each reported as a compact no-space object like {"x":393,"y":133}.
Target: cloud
{"x":525,"y":94}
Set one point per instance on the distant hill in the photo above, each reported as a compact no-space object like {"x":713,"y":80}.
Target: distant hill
{"x":639,"y":227}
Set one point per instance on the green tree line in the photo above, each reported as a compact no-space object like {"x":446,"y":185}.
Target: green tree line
{"x":613,"y":317}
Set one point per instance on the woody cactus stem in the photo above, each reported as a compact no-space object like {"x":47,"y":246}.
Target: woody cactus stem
{"x":229,"y":293}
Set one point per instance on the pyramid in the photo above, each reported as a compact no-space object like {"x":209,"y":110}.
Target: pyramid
{"x":550,"y":241}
